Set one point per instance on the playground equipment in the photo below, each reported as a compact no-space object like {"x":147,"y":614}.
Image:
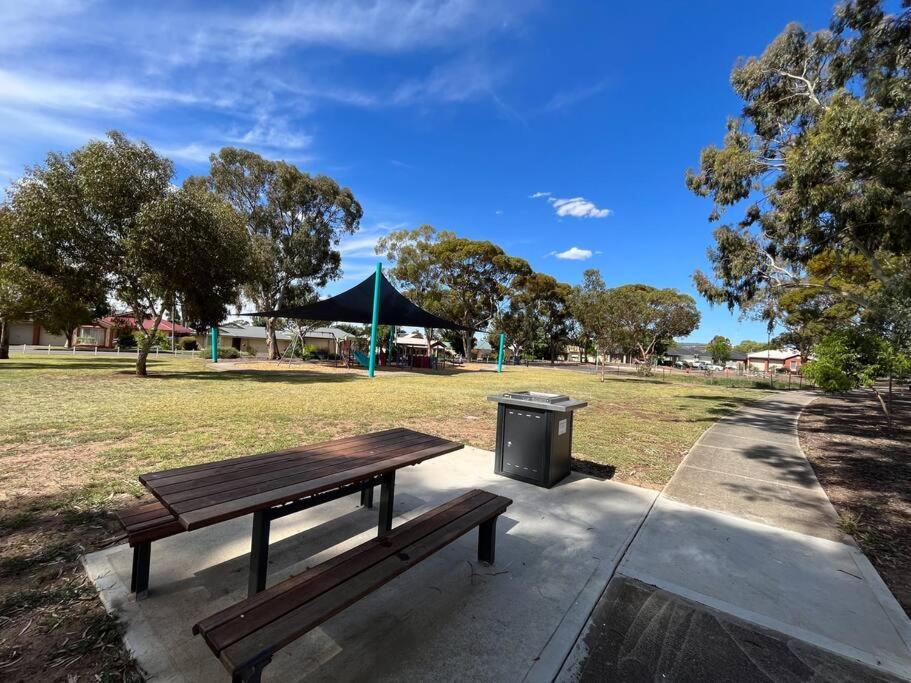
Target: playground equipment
{"x":374,"y":301}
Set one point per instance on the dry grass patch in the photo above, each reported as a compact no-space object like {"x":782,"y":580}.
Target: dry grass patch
{"x":76,"y":433}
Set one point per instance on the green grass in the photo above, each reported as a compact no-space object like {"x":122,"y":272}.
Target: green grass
{"x":84,"y":428}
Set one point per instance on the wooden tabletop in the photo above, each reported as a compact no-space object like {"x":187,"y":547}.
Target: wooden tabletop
{"x":200,"y":495}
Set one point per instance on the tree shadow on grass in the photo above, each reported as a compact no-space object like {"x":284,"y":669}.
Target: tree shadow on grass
{"x":267,"y":376}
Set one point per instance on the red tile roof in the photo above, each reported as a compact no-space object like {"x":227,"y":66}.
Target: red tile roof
{"x":127,"y":320}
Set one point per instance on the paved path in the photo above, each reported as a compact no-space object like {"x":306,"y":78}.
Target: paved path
{"x":739,"y":572}
{"x":750,"y":464}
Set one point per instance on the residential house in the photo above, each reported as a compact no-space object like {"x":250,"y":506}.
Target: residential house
{"x":252,"y":338}
{"x":691,"y":354}
{"x":102,"y":333}
{"x":775,"y":359}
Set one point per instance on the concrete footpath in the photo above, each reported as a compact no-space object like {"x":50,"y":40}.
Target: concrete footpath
{"x":740,"y":572}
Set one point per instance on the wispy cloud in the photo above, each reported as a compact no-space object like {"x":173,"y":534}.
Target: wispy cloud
{"x":51,"y":92}
{"x":576,"y":207}
{"x":573,"y":254}
{"x":275,"y":132}
{"x":456,"y":81}
{"x":567,"y":98}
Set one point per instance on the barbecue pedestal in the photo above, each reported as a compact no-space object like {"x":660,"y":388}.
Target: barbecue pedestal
{"x":534,"y":436}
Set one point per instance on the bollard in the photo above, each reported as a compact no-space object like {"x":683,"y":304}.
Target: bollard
{"x":96,"y":350}
{"x":74,"y":349}
{"x":49,"y":349}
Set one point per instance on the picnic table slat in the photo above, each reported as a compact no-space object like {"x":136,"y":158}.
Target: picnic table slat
{"x":184,"y":501}
{"x":303,"y":480}
{"x":264,"y":608}
{"x":205,"y":516}
{"x":193,"y":472}
{"x":151,"y":477}
{"x":182,"y":490}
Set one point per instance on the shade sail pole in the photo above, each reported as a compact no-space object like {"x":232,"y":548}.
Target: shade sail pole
{"x":500,"y":354}
{"x":376,"y":319}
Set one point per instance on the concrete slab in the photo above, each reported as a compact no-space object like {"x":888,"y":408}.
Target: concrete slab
{"x":448,"y":618}
{"x":803,"y":509}
{"x":642,"y":633}
{"x":750,"y":464}
{"x":822,"y":592}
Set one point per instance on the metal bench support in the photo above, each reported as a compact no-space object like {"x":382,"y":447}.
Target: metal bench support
{"x":387,"y":498}
{"x":487,"y":540}
{"x":259,"y":552}
{"x":139,"y":580}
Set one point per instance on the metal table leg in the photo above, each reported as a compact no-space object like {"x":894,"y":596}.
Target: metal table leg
{"x":387,"y":495}
{"x":259,"y":553}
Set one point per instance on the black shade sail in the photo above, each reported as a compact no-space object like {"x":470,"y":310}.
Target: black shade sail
{"x":356,"y":306}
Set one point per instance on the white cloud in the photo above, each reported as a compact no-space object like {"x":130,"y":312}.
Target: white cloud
{"x":457,"y":81}
{"x":275,"y":133}
{"x":576,"y":207}
{"x":573,"y":254}
{"x":49,"y":92}
{"x":566,"y":98}
{"x":193,"y":152}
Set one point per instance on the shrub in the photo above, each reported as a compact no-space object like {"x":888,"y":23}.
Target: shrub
{"x":126,"y":340}
{"x":187,"y":343}
{"x":228,"y":352}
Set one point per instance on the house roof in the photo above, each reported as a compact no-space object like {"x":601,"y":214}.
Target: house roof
{"x":680,"y":350}
{"x":248,"y":331}
{"x":165,"y":326}
{"x":416,"y":339}
{"x":774,"y":354}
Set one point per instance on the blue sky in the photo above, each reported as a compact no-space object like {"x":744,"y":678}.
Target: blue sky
{"x":559,"y":130}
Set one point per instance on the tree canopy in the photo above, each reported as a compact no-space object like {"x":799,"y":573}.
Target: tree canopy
{"x":109,"y":212}
{"x":819,"y":162}
{"x":294,"y":220}
{"x":463,"y":280}
{"x":720,"y":349}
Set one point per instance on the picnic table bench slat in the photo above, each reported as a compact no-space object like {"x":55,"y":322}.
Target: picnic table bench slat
{"x":151,"y":477}
{"x":185,"y":490}
{"x":225,"y":629}
{"x":192,"y":472}
{"x":291,"y":625}
{"x":205,"y":516}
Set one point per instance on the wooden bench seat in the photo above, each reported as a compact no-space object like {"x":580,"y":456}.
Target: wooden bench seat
{"x":144,"y":524}
{"x":246,"y":635}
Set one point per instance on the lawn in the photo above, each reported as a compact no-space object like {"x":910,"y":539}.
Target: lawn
{"x":76,"y":431}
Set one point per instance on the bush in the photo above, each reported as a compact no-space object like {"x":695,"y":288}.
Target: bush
{"x":126,"y":340}
{"x":828,"y":376}
{"x":228,"y":352}
{"x":187,"y":344}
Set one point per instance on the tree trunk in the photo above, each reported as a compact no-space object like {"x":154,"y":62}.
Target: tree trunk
{"x":4,"y":339}
{"x":466,"y":343}
{"x":271,"y":342}
{"x":142,"y":355}
{"x":428,"y":335}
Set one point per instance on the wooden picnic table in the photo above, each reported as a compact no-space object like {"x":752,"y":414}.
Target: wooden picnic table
{"x":272,"y":485}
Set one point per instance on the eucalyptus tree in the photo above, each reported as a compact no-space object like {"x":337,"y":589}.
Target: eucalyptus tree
{"x":295,"y":221}
{"x":109,"y":211}
{"x":460,"y":279}
{"x":819,"y":161}
{"x":414,"y":269}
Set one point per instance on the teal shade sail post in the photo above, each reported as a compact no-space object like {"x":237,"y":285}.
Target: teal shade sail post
{"x":376,"y":318}
{"x":214,"y":344}
{"x":500,"y":354}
